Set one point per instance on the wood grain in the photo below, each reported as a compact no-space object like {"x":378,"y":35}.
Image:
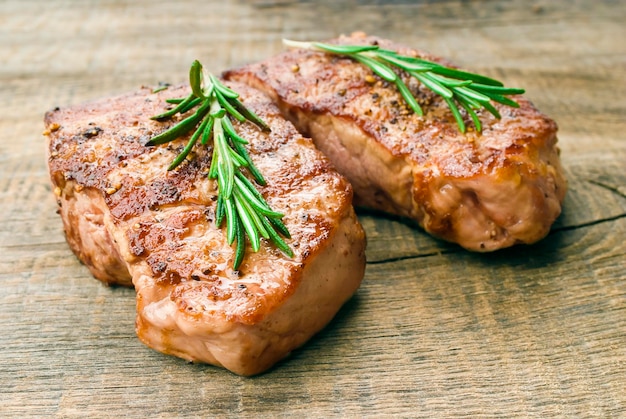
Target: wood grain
{"x":536,"y":331}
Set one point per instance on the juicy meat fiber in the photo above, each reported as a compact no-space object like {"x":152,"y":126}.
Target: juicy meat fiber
{"x":134,"y":223}
{"x":483,"y":191}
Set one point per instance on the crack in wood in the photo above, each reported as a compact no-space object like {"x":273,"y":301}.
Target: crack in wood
{"x":587,"y":224}
{"x":614,"y":189}
{"x":452,"y":251}
{"x":410,"y":257}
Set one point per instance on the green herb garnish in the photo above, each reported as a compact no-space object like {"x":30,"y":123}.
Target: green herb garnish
{"x":460,"y":89}
{"x":238,"y":202}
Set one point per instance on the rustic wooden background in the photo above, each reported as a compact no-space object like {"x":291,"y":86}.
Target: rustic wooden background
{"x":434,"y":331}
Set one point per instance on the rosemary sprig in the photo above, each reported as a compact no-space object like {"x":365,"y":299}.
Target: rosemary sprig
{"x":238,"y":202}
{"x":459,"y":89}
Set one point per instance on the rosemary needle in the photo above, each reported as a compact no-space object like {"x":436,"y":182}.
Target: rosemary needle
{"x":460,"y":90}
{"x":239,"y":203}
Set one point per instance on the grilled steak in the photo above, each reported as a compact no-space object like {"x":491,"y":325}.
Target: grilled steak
{"x":134,"y":223}
{"x":483,"y":191}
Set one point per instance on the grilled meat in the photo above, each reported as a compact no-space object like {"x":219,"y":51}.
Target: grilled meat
{"x":484,"y":191}
{"x":134,"y":223}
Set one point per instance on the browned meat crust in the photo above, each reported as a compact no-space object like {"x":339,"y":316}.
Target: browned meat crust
{"x":484,"y":191}
{"x":132,"y":222}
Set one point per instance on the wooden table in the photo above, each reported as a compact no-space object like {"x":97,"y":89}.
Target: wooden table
{"x":434,"y":330}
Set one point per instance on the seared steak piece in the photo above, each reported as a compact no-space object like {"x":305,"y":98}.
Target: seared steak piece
{"x":484,"y":191}
{"x":133,"y":222}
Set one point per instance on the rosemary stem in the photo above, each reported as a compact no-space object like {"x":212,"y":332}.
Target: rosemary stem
{"x":461,"y":90}
{"x":238,"y":201}
{"x":298,"y":44}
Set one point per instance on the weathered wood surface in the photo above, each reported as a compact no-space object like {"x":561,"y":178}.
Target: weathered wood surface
{"x":434,"y":331}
